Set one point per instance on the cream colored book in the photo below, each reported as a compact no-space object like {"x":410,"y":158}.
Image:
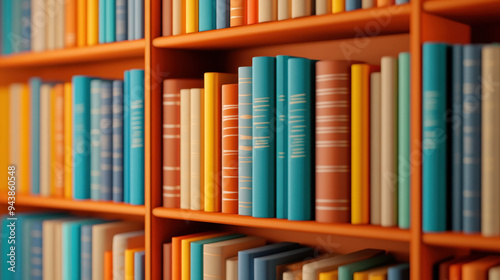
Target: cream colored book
{"x":366,"y":4}
{"x":38,"y":25}
{"x":177,"y":14}
{"x":490,"y":137}
{"x":185,"y":148}
{"x":323,"y":7}
{"x":389,"y":141}
{"x":375,"y":145}
{"x":45,"y":128}
{"x":122,"y":242}
{"x":232,"y":268}
{"x":60,"y":15}
{"x":268,"y":10}
{"x":284,"y":9}
{"x":196,"y":153}
{"x":15,"y":129}
{"x":49,"y":251}
{"x":494,"y":273}
{"x":102,"y":241}
{"x":301,"y":8}
{"x":50,"y":28}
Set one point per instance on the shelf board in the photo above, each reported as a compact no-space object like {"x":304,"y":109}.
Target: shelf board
{"x":378,"y":21}
{"x":460,"y":240}
{"x":468,"y":11}
{"x":365,"y":231}
{"x":117,"y":50}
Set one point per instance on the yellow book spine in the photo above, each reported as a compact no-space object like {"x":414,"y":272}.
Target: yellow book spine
{"x":81,"y":23}
{"x":92,"y":22}
{"x":24,"y":184}
{"x":338,"y":6}
{"x":68,"y":155}
{"x":362,"y":275}
{"x":356,"y":142}
{"x":378,"y":276}
{"x":53,"y":142}
{"x":209,"y":129}
{"x":4,"y":133}
{"x":330,"y":275}
{"x":191,"y":16}
{"x":129,"y":262}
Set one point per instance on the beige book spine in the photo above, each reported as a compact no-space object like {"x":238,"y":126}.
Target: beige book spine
{"x":268,"y":10}
{"x":45,"y":128}
{"x":50,"y":28}
{"x":375,"y":145}
{"x":177,"y":17}
{"x":48,"y":250}
{"x":195,"y":181}
{"x":58,"y":260}
{"x":232,"y":268}
{"x":284,"y":9}
{"x":366,"y":4}
{"x":38,"y":23}
{"x":15,"y":131}
{"x":323,"y":7}
{"x":122,"y":242}
{"x":301,"y":8}
{"x":185,"y":148}
{"x":59,"y":22}
{"x":494,"y":273}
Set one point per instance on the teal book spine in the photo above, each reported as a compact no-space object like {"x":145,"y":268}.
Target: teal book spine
{"x":136,"y":137}
{"x":456,"y":142}
{"x":126,"y":138}
{"x":207,"y":15}
{"x":106,"y":128}
{"x":25,"y":31}
{"x":263,"y":137}
{"x":139,"y":259}
{"x":36,"y":255}
{"x":404,"y":140}
{"x":117,"y":141}
{"x":265,"y":267}
{"x":121,"y":20}
{"x":95,"y":132}
{"x":139,"y":19}
{"x":15,"y":36}
{"x":102,"y":21}
{"x":346,"y":272}
{"x":245,"y":141}
{"x":81,"y":137}
{"x":434,"y":154}
{"x":130,"y":19}
{"x":110,"y":21}
{"x":6,"y":26}
{"x":351,"y":5}
{"x":301,"y":141}
{"x":399,"y":272}
{"x":34,"y":86}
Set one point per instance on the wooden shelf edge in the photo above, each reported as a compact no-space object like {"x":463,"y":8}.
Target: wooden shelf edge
{"x":469,"y":11}
{"x":109,"y":51}
{"x":363,"y":231}
{"x":461,"y":240}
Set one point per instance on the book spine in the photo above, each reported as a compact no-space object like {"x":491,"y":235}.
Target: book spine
{"x":137,"y":137}
{"x":139,"y":19}
{"x":95,"y":152}
{"x":94,"y":10}
{"x":207,"y":15}
{"x":35,"y":84}
{"x":351,"y":5}
{"x":404,"y":140}
{"x":457,"y":139}
{"x":126,"y":137}
{"x":81,"y":24}
{"x":490,"y":220}
{"x":185,"y":145}
{"x":196,"y":151}
{"x":282,"y":136}
{"x":171,"y":143}
{"x":301,"y":8}
{"x":230,"y":148}
{"x":60,"y":14}
{"x":178,"y":14}
{"x":117,"y":141}
{"x":367,"y":4}
{"x":238,"y":16}
{"x":338,"y":6}
{"x":7,"y":26}
{"x":25,"y":24}
{"x":121,"y":20}
{"x":36,"y":257}
{"x":131,"y":21}
{"x":300,"y":133}
{"x":384,"y":3}
{"x":265,"y":267}
{"x":166,"y":27}
{"x":267,"y":10}
{"x":245,"y":141}
{"x":86,"y":252}
{"x":211,"y":130}
{"x":38,"y":22}
{"x":252,"y":11}
{"x":284,"y":9}
{"x":263,"y":137}
{"x":191,"y":16}
{"x":111,"y":21}
{"x":333,"y":141}
{"x":222,"y":14}
{"x":232,"y":268}
{"x":434,"y":154}
{"x":106,"y":141}
{"x":375,"y":148}
{"x":15,"y":34}
{"x":58,"y":126}
{"x":45,"y":125}
{"x":50,"y":27}
{"x":139,"y":262}
{"x":68,"y":130}
{"x":70,"y":19}
{"x":102,"y":21}
{"x":399,"y":2}
{"x":323,"y":7}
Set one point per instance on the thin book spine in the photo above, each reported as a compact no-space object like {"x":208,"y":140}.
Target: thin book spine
{"x":245,"y":141}
{"x":95,"y":152}
{"x":117,"y":141}
{"x":404,"y":140}
{"x":106,"y":149}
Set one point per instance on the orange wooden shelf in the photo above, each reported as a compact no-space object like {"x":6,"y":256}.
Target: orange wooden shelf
{"x":377,"y":21}
{"x":365,"y":231}
{"x":469,"y":11}
{"x":460,"y":240}
{"x":125,"y":49}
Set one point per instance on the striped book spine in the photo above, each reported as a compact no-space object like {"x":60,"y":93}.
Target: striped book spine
{"x":36,"y":255}
{"x":245,"y":141}
{"x":185,"y":159}
{"x":117,"y":141}
{"x":137,"y":137}
{"x":457,"y":138}
{"x":106,"y":149}
{"x":230,"y":148}
{"x":263,"y":137}
{"x":86,"y":252}
{"x":35,"y":84}
{"x":333,"y":141}
{"x":58,"y":148}
{"x":196,"y":149}
{"x":111,"y":21}
{"x":375,"y":148}
{"x":95,"y":152}
{"x":139,"y":19}
{"x":404,"y":140}
{"x":126,"y":137}
{"x":25,"y":25}
{"x":45,"y":128}
{"x":121,"y":20}
{"x":207,"y":18}
{"x":68,"y":135}
{"x":222,"y":14}
{"x":131,"y":21}
{"x":238,"y":16}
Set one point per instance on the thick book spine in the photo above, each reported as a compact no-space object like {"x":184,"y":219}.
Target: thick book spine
{"x":25,"y":24}
{"x":178,"y":17}
{"x":284,"y":9}
{"x":131,"y":21}
{"x":137,"y":137}
{"x":351,"y":5}
{"x":471,"y":138}
{"x":139,"y":19}
{"x":192,"y":16}
{"x":86,"y":252}
{"x":102,"y":21}
{"x":139,"y":262}
{"x":7,"y":26}
{"x":38,"y":22}
{"x":237,"y":13}
{"x":245,"y":141}
{"x":301,"y":8}
{"x":196,"y":202}
{"x":333,"y":141}
{"x":117,"y":107}
{"x":399,"y":272}
{"x":456,"y":142}
{"x":263,"y":137}
{"x":171,"y":144}
{"x":111,"y":21}
{"x":35,"y":84}
{"x":207,"y":18}
{"x":81,"y":24}
{"x":121,"y":23}
{"x":300,"y":132}
{"x":222,"y":14}
{"x":375,"y":148}
{"x":166,"y":17}
{"x":70,"y":19}
{"x":185,"y":146}
{"x":366,"y":4}
{"x":126,"y":137}
{"x":94,"y":10}
{"x":252,"y":11}
{"x":95,"y":152}
{"x":404,"y":140}
{"x":68,"y":136}
{"x":434,"y":154}
{"x":323,"y":7}
{"x":338,"y":6}
{"x":58,"y":148}
{"x":268,"y":10}
{"x":230,"y":148}
{"x":106,"y":149}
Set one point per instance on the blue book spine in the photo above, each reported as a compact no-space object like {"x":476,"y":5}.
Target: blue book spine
{"x":139,"y":258}
{"x":35,"y":84}
{"x":404,"y":140}
{"x":139,"y":19}
{"x":110,"y":21}
{"x":95,"y":132}
{"x":222,"y":14}
{"x":117,"y":141}
{"x":282,"y":136}
{"x":265,"y":267}
{"x":25,"y":25}
{"x":399,"y":272}
{"x":456,"y":138}
{"x":207,"y":15}
{"x":81,"y":137}
{"x":136,"y":137}
{"x":399,"y":2}
{"x":472,"y":138}
{"x":36,"y":251}
{"x":300,"y":147}
{"x":245,"y":141}
{"x":86,"y":252}
{"x":130,"y":19}
{"x":106,"y":147}
{"x":126,"y":138}
{"x":102,"y":21}
{"x":121,"y":20}
{"x":6,"y":26}
{"x":351,"y":5}
{"x":263,"y":137}
{"x":15,"y":36}
{"x":434,"y":155}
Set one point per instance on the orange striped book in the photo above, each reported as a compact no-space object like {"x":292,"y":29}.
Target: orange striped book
{"x":238,"y":15}
{"x":478,"y":269}
{"x":81,"y":24}
{"x":57,"y":157}
{"x":171,"y":138}
{"x":385,"y":3}
{"x":68,"y":155}
{"x":252,"y":11}
{"x":177,"y":253}
{"x":230,"y":148}
{"x":70,"y":19}
{"x":108,"y":265}
{"x":333,"y":141}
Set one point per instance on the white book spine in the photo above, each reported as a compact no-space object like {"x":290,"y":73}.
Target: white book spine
{"x":38,"y":25}
{"x":196,"y":97}
{"x":375,"y":145}
{"x":268,"y":10}
{"x":185,"y":148}
{"x":45,"y":128}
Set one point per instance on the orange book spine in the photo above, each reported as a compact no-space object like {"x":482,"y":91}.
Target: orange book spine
{"x":81,"y":25}
{"x":177,"y":254}
{"x":4,"y":132}
{"x":384,"y":3}
{"x":238,"y":15}
{"x":252,"y":11}
{"x":58,"y":140}
{"x":23,"y":168}
{"x":108,"y":265}
{"x":230,"y":148}
{"x":478,"y":270}
{"x":68,"y":155}
{"x":70,"y":23}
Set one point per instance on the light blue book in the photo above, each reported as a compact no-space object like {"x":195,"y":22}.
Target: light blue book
{"x":121,"y":20}
{"x":265,"y":267}
{"x":95,"y":133}
{"x":36,"y":252}
{"x":222,"y":14}
{"x":197,"y":253}
{"x":346,"y":272}
{"x":34,"y":85}
{"x":86,"y":250}
{"x":25,"y":21}
{"x":139,"y":259}
{"x":118,"y":141}
{"x":404,"y":140}
{"x":130,"y":19}
{"x":15,"y":35}
{"x":434,"y":155}
{"x":102,"y":21}
{"x":399,"y":272}
{"x":399,"y":2}
{"x":351,"y":5}
{"x":471,"y":138}
{"x":456,"y":138}
{"x":6,"y":26}
{"x":136,"y":137}
{"x":264,"y":137}
{"x":110,"y":21}
{"x":246,"y":258}
{"x":139,"y":19}
{"x":106,"y":149}
{"x":207,"y":19}
{"x":126,"y":138}
{"x":300,"y":134}
{"x":245,"y":141}
{"x":81,"y":137}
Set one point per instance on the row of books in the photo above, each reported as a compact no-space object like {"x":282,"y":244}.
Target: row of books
{"x":38,"y":25}
{"x":234,"y":256}
{"x":61,"y":246}
{"x":461,"y":154}
{"x":80,"y":140}
{"x":471,"y":267}
{"x":293,"y":139}
{"x":188,"y":16}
